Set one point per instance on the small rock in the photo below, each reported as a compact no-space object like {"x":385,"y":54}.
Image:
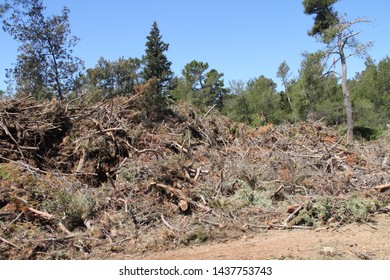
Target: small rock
{"x":328,"y":251}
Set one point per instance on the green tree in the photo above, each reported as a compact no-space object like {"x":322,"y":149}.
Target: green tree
{"x":236,"y":103}
{"x":371,"y":94}
{"x":201,"y":87}
{"x":336,"y":32}
{"x":116,"y":78}
{"x":157,"y":66}
{"x":157,"y":73}
{"x":283,"y":74}
{"x":126,"y":75}
{"x":314,"y":95}
{"x":45,"y":64}
{"x":264,"y":102}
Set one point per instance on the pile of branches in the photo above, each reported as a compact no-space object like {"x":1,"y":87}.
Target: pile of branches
{"x":98,"y":176}
{"x":317,"y":159}
{"x":32,"y":131}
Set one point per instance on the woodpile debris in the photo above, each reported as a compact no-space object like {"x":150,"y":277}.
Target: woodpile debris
{"x":78,"y":181}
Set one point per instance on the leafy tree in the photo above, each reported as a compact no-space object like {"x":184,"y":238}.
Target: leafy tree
{"x":45,"y":64}
{"x":3,"y":9}
{"x":127,"y":75}
{"x":336,"y":32}
{"x":309,"y":87}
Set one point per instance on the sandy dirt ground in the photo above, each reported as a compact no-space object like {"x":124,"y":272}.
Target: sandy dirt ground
{"x":355,"y":241}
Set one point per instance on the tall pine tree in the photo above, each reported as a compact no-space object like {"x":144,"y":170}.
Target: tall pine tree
{"x":157,"y":65}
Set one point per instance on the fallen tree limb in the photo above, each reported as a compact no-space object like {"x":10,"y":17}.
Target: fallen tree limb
{"x":43,"y":215}
{"x":9,"y":243}
{"x":382,"y":188}
{"x":2,"y":125}
{"x":198,"y":170}
{"x":183,"y":201}
{"x":167,"y":224}
{"x":278,"y":226}
{"x":293,"y":214}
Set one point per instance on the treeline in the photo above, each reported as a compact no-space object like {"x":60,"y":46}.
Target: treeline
{"x":46,"y":68}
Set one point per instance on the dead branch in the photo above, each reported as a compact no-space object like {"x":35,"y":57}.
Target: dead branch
{"x":212,"y":223}
{"x":83,"y":158}
{"x":208,"y":112}
{"x":293,"y":214}
{"x":188,"y":177}
{"x":41,"y":214}
{"x":167,"y":224}
{"x":278,"y":226}
{"x":180,"y":147}
{"x":2,"y":125}
{"x":9,"y":243}
{"x":277,"y":191}
{"x":144,"y":150}
{"x":183,"y":201}
{"x":111,"y":181}
{"x":14,"y":220}
{"x":382,"y":188}
{"x":64,"y":229}
{"x":198,"y":171}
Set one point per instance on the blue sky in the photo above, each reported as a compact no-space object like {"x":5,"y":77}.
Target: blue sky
{"x":243,"y":39}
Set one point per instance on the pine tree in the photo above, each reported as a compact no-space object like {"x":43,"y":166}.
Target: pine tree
{"x":157,"y":65}
{"x":336,"y":32}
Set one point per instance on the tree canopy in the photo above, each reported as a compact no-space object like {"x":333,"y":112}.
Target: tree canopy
{"x":45,"y":63}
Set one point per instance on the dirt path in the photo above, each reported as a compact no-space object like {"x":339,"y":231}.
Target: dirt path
{"x":364,"y":241}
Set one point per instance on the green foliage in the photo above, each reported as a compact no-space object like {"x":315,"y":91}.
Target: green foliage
{"x":352,"y":209}
{"x":200,"y":87}
{"x":256,"y":103}
{"x":45,"y":64}
{"x":314,"y":95}
{"x":157,"y":65}
{"x":152,"y":101}
{"x":74,"y":207}
{"x":325,"y":17}
{"x":370,"y":95}
{"x":366,"y":133}
{"x":246,"y":196}
{"x":113,"y":78}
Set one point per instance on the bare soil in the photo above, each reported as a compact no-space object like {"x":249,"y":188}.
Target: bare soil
{"x":353,"y":241}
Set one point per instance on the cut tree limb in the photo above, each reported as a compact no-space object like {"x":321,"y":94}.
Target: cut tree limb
{"x":43,"y":215}
{"x":382,"y":188}
{"x":293,"y":214}
{"x":183,"y":201}
{"x":167,"y":224}
{"x":9,"y":243}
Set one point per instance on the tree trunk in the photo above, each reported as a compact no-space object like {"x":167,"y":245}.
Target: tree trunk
{"x":346,"y":95}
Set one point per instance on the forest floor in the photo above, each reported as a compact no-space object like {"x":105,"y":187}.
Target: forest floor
{"x":110,"y":181}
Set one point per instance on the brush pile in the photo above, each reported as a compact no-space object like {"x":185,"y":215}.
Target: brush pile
{"x":105,"y":180}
